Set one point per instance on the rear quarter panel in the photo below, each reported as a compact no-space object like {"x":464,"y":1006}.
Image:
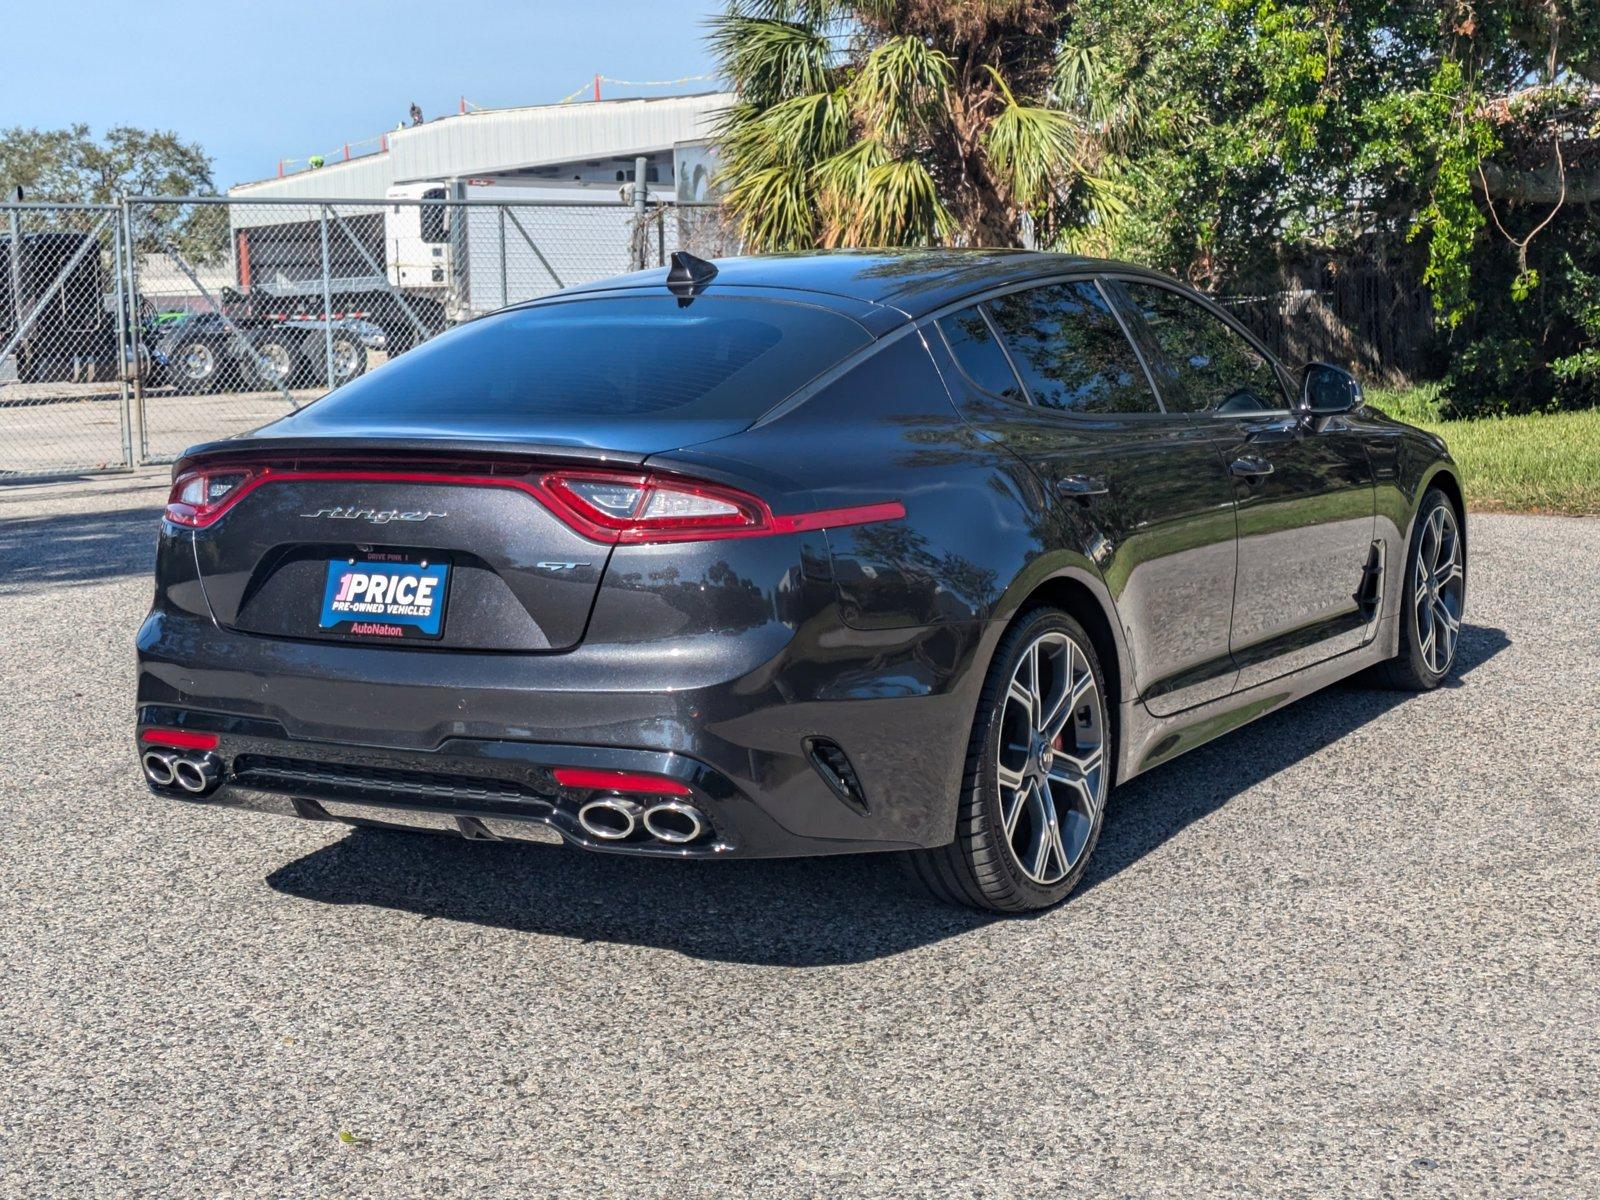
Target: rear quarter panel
{"x":891,"y":664}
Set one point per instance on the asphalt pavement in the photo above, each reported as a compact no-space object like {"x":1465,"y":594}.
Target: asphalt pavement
{"x":1350,"y":950}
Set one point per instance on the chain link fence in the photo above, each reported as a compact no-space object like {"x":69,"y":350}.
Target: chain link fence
{"x":64,"y":399}
{"x":130,"y":332}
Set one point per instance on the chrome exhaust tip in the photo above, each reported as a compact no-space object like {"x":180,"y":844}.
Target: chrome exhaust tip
{"x":196,"y":775}
{"x":674,"y":821}
{"x":158,"y":768}
{"x":610,"y":818}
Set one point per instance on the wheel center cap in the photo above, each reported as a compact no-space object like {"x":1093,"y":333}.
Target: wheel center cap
{"x":1043,"y":757}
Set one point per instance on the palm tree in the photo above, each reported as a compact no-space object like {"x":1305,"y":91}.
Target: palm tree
{"x":915,"y":122}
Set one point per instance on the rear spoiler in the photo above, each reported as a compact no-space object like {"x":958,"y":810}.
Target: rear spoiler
{"x":289,"y":450}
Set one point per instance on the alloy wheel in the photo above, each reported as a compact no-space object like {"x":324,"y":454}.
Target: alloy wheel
{"x":1438,"y":586}
{"x":197,"y":362}
{"x":279,"y":365}
{"x":346,"y":358}
{"x":1051,"y":766}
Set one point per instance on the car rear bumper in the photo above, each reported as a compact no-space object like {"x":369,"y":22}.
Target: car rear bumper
{"x":468,"y":742}
{"x":475,"y":787}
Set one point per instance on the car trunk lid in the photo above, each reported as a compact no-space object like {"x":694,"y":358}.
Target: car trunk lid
{"x":317,"y":547}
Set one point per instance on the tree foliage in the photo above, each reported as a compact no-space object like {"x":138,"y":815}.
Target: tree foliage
{"x":887,"y":122}
{"x":72,"y":166}
{"x":1457,"y":140}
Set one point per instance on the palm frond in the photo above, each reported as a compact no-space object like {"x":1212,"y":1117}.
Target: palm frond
{"x":799,"y":12}
{"x":1084,"y":83}
{"x":900,"y":206}
{"x":769,"y":60}
{"x":808,"y":128}
{"x":1036,"y":151}
{"x":902,"y":87}
{"x":774,"y":208}
{"x":840,"y":184}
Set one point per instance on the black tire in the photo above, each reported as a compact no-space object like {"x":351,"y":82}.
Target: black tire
{"x":279,"y":360}
{"x":1417,"y":668}
{"x":981,"y":868}
{"x":197,"y":366}
{"x":349,"y":357}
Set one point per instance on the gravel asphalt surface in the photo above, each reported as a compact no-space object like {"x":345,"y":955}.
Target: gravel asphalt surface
{"x":1350,"y":950}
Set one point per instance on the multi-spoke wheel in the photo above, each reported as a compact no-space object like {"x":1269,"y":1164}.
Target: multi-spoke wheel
{"x":1038,"y":770}
{"x":1435,"y":598}
{"x":1051,"y":760}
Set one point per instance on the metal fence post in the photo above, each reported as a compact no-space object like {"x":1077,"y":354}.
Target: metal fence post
{"x":327,"y":296}
{"x":505,"y":296}
{"x":125,"y":349}
{"x":138,"y":334}
{"x":15,"y":260}
{"x":638,"y":211}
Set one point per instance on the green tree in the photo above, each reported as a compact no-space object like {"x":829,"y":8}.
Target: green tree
{"x":72,"y":166}
{"x":884,"y":122}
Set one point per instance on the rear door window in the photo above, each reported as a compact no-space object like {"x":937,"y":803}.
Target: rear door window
{"x":980,"y":354}
{"x":1071,"y":351}
{"x":716,"y":358}
{"x":1207,"y":366}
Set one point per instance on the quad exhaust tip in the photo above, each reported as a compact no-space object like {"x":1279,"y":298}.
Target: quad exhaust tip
{"x":611,"y":818}
{"x":158,"y":768}
{"x":615,"y":819}
{"x":674,"y":821}
{"x":197,"y":774}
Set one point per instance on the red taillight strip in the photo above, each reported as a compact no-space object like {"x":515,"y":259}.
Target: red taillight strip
{"x":833,"y":518}
{"x":827,"y":518}
{"x":619,"y":781}
{"x":180,"y":739}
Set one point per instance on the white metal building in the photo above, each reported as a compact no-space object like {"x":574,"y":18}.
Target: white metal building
{"x":585,"y":146}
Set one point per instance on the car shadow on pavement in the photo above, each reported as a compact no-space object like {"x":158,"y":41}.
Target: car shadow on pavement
{"x":797,"y":912}
{"x":72,"y":548}
{"x":1147,"y":811}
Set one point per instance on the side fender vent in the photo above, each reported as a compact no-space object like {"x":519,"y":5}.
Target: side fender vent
{"x":1369,"y":594}
{"x":837,"y":772}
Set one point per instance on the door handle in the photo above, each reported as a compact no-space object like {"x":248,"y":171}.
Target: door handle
{"x":1081,"y":487}
{"x":1249,"y":467}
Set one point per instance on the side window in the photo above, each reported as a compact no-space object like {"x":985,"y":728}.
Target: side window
{"x":975,"y":348}
{"x":1071,"y":351}
{"x":1212,"y":368}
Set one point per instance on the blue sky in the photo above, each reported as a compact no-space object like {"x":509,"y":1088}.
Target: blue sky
{"x":253,"y":82}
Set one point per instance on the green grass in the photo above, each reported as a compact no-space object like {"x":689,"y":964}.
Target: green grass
{"x":1544,"y":463}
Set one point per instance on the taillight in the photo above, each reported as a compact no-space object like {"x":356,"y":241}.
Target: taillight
{"x":618,"y":507}
{"x":650,"y":508}
{"x":199,"y":497}
{"x":606,"y":506}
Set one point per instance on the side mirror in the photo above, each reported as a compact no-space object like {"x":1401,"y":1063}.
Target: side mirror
{"x":1327,"y":390}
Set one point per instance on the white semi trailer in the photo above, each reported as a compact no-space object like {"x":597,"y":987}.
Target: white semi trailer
{"x":436,"y":252}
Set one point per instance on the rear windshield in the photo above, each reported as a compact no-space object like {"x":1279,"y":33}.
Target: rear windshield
{"x":714,"y":358}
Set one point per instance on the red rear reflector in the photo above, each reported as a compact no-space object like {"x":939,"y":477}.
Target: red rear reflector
{"x":619,"y":781}
{"x":180,"y":739}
